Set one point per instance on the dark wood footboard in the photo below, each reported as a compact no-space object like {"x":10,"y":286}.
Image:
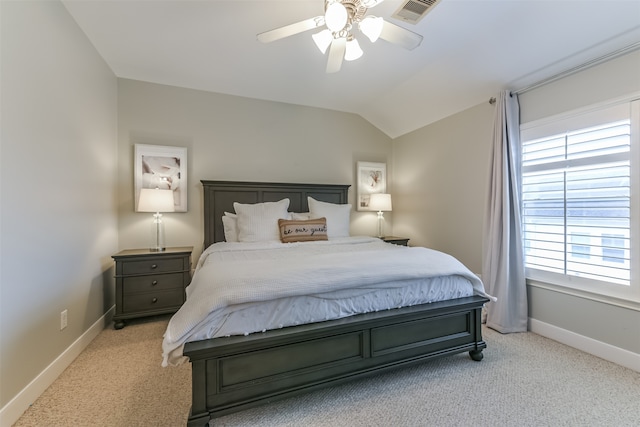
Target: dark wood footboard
{"x":235,"y":373}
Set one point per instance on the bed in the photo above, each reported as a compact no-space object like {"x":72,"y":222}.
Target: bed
{"x":233,"y":371}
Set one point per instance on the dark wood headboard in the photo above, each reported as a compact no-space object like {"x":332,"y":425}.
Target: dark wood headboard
{"x":220,"y":195}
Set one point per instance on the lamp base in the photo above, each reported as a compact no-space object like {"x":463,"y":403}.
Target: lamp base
{"x":380,"y":225}
{"x":157,"y":233}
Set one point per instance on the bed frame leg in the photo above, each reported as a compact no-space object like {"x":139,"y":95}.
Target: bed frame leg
{"x":199,"y":416}
{"x":476,"y":355}
{"x":201,"y":421}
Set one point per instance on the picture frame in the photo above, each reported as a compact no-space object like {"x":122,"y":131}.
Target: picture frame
{"x":371,"y":178}
{"x":160,"y":166}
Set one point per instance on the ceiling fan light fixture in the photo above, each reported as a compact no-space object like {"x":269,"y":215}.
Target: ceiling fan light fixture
{"x":371,"y":26}
{"x":353,"y":50}
{"x":336,"y":17}
{"x":323,"y":40}
{"x":340,"y":18}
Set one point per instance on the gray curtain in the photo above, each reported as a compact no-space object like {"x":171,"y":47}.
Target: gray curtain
{"x":503,"y":260}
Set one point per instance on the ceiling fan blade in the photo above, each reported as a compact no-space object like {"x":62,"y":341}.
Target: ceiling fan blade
{"x":291,"y":29}
{"x":400,"y":36}
{"x":336,"y":54}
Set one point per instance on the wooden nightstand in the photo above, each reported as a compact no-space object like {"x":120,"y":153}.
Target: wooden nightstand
{"x":402,"y":241}
{"x":150,"y":283}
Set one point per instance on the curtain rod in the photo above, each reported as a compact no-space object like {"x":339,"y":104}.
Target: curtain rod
{"x":581,"y":67}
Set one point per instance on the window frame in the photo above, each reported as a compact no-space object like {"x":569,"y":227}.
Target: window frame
{"x":589,"y":288}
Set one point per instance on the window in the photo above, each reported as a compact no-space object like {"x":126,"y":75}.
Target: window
{"x":580,"y":246}
{"x":614,"y":248}
{"x":578,"y":200}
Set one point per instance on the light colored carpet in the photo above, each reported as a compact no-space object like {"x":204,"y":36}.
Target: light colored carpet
{"x":524,"y":380}
{"x":117,"y":381}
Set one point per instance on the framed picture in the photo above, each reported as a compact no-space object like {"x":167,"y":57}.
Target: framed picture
{"x":159,"y":166}
{"x":372,"y":178}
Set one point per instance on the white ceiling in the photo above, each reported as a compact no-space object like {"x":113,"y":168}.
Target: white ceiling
{"x":471,"y":50}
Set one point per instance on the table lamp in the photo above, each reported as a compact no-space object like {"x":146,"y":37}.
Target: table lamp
{"x":156,"y":200}
{"x":380,"y":202}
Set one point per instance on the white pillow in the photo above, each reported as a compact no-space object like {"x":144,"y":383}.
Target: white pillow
{"x":258,"y":222}
{"x":300,"y":216}
{"x":230,"y":225}
{"x":337,"y":216}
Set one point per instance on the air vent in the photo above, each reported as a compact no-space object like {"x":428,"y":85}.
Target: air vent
{"x":413,"y":11}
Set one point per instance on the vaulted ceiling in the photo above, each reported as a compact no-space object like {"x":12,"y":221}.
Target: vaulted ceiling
{"x":471,"y":50}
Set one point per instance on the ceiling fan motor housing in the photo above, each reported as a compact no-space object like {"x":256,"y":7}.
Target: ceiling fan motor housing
{"x":356,"y":10}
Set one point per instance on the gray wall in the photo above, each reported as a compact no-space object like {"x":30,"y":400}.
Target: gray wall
{"x":234,"y":138}
{"x":440,"y":181}
{"x":58,"y":208}
{"x":440,"y":184}
{"x":605,"y":321}
{"x":612,"y":79}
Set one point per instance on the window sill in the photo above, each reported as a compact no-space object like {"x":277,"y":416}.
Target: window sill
{"x":628,"y":303}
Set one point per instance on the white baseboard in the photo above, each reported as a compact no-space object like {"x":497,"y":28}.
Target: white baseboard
{"x":605,"y":351}
{"x":13,"y":410}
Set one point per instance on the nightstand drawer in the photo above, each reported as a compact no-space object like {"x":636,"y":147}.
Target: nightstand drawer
{"x":153,"y":282}
{"x":153,"y":301}
{"x":152,"y":266}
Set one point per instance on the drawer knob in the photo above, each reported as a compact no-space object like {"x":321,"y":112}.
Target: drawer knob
{"x":154,"y":266}
{"x":155,"y":282}
{"x":154,"y":300}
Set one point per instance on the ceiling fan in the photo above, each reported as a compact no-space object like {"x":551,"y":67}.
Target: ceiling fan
{"x":341,"y":17}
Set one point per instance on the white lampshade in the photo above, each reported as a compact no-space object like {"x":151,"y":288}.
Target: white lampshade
{"x":336,"y":16}
{"x":371,"y":26}
{"x":323,"y":39}
{"x":353,"y":50}
{"x":156,"y":200}
{"x":380,"y":202}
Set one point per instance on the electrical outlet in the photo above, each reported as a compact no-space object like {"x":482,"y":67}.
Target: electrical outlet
{"x":63,"y":319}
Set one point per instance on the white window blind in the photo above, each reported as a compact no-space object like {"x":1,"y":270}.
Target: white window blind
{"x":577,"y":198}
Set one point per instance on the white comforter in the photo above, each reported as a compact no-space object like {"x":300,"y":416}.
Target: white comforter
{"x":230,"y":277}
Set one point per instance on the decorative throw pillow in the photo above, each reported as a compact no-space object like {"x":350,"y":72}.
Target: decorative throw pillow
{"x":258,"y":222}
{"x":302,"y":230}
{"x":337,"y":216}
{"x":230,"y":225}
